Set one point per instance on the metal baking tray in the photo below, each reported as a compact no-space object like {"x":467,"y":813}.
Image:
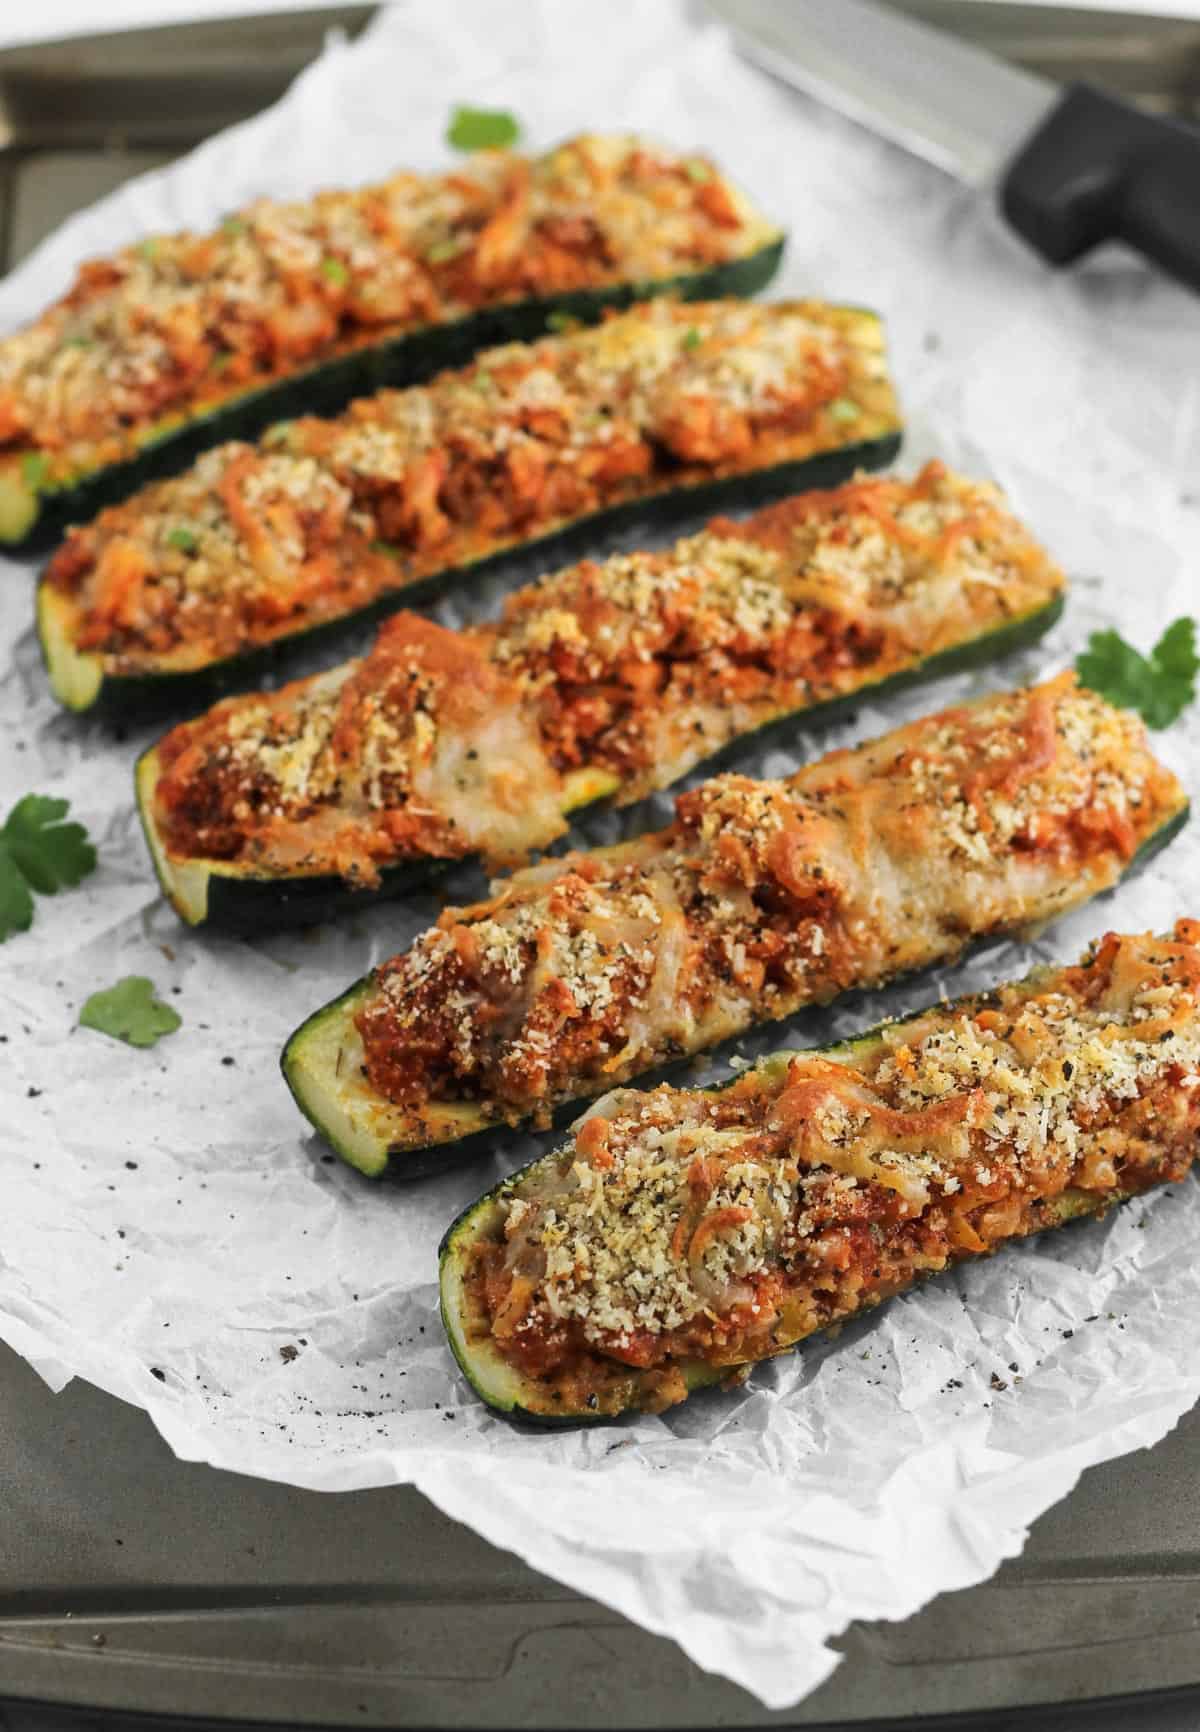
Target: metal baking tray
{"x":132,"y":1583}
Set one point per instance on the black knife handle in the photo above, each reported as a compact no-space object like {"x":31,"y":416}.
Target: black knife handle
{"x":1098,"y":170}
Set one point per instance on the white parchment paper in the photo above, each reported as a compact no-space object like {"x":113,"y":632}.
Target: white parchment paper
{"x":173,"y":1234}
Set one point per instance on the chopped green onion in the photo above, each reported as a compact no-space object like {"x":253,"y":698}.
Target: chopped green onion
{"x":484,"y":379}
{"x":334,"y":271}
{"x":560,"y":321}
{"x":233,"y":226}
{"x":220,"y":360}
{"x":692,"y":338}
{"x":482,"y":129}
{"x":697,"y":170}
{"x":440,"y":251}
{"x":183,"y":538}
{"x":35,"y":468}
{"x":148,"y":249}
{"x":842,"y":409}
{"x":279,"y":434}
{"x":388,"y":547}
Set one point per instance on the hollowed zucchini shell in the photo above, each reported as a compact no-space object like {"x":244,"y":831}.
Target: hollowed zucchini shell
{"x":246,"y":900}
{"x":33,"y":517}
{"x":79,"y":681}
{"x":322,"y":1067}
{"x":508,"y":1392}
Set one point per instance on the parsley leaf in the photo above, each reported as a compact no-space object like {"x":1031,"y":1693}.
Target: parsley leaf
{"x":482,"y":129}
{"x":129,"y":1011}
{"x":38,"y":852}
{"x":334,"y":271}
{"x":1159,"y":686}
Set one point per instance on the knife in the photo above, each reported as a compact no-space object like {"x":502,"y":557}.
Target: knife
{"x":1072,"y":167}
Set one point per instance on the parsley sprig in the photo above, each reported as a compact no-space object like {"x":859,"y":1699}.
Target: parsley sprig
{"x":1159,"y":686}
{"x":38,"y":852}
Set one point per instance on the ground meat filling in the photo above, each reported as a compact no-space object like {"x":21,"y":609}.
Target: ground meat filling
{"x":176,"y":321}
{"x":637,"y":666}
{"x":679,"y":1227}
{"x":323,"y":516}
{"x":763,"y":897}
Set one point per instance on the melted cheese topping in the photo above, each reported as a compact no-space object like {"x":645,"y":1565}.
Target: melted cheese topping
{"x":322,"y":517}
{"x":179,"y":321}
{"x":727,"y":1224}
{"x":637,"y":666}
{"x":766,"y":896}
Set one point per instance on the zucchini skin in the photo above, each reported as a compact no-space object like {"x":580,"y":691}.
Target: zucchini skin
{"x":244,"y":905}
{"x":120,"y":697}
{"x":399,"y":361}
{"x":410,"y":1164}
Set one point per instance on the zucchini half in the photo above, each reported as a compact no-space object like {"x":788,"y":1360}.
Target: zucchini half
{"x":623,"y":1390}
{"x":32,"y":517}
{"x":516,"y":1397}
{"x":241,"y":899}
{"x":322,"y":1066}
{"x":79,"y":681}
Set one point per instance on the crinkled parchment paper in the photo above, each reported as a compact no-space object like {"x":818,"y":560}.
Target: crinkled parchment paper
{"x":169,"y":1225}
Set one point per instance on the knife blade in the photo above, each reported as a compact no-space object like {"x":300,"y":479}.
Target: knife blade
{"x":1071,"y":167}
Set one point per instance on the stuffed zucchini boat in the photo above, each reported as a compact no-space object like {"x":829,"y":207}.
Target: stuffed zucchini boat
{"x":182,"y":340}
{"x":655,"y":415}
{"x":682,"y":1235}
{"x":761,"y":898}
{"x":618,"y":677}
